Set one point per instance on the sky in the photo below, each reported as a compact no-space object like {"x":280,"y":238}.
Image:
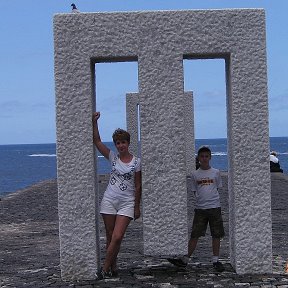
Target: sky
{"x":27,"y":88}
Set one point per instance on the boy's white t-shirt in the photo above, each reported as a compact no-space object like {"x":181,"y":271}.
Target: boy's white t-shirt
{"x":205,"y":183}
{"x":122,"y":178}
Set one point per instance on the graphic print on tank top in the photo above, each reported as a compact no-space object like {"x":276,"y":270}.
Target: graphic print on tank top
{"x":121,"y":178}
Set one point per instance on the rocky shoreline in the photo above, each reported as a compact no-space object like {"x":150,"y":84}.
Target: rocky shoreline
{"x":29,"y":246}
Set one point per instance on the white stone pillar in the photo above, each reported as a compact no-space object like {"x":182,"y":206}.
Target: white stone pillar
{"x":132,"y":118}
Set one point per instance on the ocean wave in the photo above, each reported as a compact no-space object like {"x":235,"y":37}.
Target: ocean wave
{"x":219,"y":153}
{"x":225,"y":153}
{"x":51,"y":155}
{"x":42,"y":155}
{"x":216,"y":154}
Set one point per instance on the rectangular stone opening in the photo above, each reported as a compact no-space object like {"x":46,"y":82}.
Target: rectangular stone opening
{"x":205,"y":78}
{"x":209,"y":98}
{"x":112,"y":82}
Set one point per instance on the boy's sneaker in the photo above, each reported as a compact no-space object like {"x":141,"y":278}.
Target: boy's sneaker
{"x":177,"y":262}
{"x":100,"y":275}
{"x":218,"y":266}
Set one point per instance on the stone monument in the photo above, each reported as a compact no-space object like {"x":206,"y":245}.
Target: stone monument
{"x":159,"y":41}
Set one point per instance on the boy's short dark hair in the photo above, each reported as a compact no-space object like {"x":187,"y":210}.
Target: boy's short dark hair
{"x":204,"y":149}
{"x":120,"y":134}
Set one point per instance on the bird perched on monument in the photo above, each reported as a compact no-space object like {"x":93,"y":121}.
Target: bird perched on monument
{"x":74,"y":8}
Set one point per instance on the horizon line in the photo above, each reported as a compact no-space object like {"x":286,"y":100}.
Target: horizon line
{"x":48,"y":143}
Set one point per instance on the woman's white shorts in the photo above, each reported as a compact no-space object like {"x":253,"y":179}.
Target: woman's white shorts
{"x":117,"y":207}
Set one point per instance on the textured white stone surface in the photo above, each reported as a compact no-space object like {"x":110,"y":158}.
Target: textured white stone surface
{"x":189,"y":132}
{"x":132,"y":103}
{"x":159,"y":41}
{"x":132,"y":119}
{"x":190,"y":154}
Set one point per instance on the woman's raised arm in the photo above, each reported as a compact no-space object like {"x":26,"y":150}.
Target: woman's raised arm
{"x":102,"y":148}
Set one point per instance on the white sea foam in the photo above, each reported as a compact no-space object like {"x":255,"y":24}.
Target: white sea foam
{"x":42,"y":155}
{"x":51,"y":155}
{"x":219,"y":153}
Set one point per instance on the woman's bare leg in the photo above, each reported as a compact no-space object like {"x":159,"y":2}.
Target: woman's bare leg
{"x":119,"y":230}
{"x":109,"y":221}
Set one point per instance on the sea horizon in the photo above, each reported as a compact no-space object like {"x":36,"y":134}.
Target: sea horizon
{"x":48,"y":143}
{"x":22,"y":165}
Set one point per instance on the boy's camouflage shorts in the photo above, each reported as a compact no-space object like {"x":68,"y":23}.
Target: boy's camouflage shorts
{"x":201,"y":219}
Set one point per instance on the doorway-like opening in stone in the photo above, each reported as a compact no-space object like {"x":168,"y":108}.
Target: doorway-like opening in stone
{"x":113,"y":80}
{"x":206,"y":78}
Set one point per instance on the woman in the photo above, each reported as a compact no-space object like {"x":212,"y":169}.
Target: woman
{"x":121,"y":200}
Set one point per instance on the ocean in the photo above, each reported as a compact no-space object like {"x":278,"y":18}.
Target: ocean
{"x":27,"y":164}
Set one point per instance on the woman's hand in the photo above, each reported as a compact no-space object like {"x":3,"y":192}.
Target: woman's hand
{"x":96,"y":116}
{"x":137,"y":212}
{"x":96,"y":136}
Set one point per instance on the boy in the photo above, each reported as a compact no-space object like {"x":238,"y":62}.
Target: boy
{"x":205,"y":183}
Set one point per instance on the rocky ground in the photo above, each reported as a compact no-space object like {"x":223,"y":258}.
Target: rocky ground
{"x":29,"y":247}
